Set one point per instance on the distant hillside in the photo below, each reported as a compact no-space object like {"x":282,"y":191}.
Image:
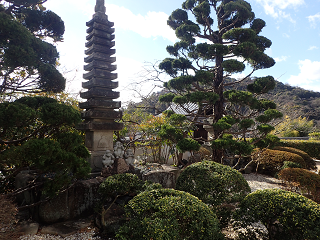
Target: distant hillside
{"x":291,"y":101}
{"x":296,"y":101}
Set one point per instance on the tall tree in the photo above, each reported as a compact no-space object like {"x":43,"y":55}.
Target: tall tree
{"x":220,"y":39}
{"x":27,"y":61}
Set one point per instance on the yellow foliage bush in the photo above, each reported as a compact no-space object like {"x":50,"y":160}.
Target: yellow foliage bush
{"x":270,"y":161}
{"x":310,"y":163}
{"x":307,"y":181}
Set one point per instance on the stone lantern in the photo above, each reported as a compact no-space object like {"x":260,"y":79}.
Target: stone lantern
{"x":100,"y":108}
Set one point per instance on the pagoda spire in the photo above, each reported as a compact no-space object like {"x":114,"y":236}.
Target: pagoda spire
{"x":100,"y":6}
{"x":100,"y":109}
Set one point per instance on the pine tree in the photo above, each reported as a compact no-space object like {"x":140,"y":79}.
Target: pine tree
{"x":221,"y":39}
{"x":27,"y":61}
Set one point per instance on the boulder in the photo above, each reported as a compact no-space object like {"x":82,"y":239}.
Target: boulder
{"x":77,"y":201}
{"x":167,"y":177}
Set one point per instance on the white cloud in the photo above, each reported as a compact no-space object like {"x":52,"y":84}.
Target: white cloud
{"x":313,"y":48}
{"x":286,"y":35}
{"x":281,"y":59}
{"x":154,"y":24}
{"x":276,"y":8}
{"x":309,"y":76}
{"x":314,"y":19}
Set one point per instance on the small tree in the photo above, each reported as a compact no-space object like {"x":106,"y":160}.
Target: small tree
{"x":201,"y":71}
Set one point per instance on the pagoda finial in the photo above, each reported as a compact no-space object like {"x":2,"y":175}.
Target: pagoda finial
{"x":100,"y":6}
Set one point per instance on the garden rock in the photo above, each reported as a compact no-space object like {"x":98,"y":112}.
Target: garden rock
{"x":67,"y":228}
{"x":167,"y":178}
{"x":77,"y":201}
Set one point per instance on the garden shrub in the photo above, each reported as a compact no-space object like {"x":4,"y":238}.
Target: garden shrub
{"x":169,"y":214}
{"x":121,"y":184}
{"x":310,"y":163}
{"x":270,"y":161}
{"x":213,"y":183}
{"x":116,"y":191}
{"x":288,"y":164}
{"x":286,"y":215}
{"x":307,"y":181}
{"x":311,"y":147}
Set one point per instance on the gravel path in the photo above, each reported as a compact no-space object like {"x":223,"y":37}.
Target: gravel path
{"x":260,"y":182}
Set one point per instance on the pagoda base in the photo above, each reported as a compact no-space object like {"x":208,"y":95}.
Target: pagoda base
{"x":95,"y":161}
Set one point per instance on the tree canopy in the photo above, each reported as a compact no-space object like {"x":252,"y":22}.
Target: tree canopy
{"x":27,"y":61}
{"x":38,"y":133}
{"x":217,"y":40}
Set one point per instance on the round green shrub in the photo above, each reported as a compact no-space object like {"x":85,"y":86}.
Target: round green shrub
{"x":121,"y":184}
{"x":271,"y":161}
{"x":310,"y":163}
{"x":213,"y":183}
{"x":169,"y":214}
{"x":286,"y":215}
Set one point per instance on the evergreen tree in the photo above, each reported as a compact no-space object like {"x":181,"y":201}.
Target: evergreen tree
{"x":201,"y":72}
{"x":27,"y":61}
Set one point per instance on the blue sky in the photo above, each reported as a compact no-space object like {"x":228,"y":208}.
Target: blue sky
{"x":141,"y":35}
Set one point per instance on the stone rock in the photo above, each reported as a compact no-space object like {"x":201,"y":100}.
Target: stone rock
{"x":77,"y":201}
{"x":22,"y":180}
{"x":166,"y":177}
{"x":27,"y":228}
{"x":67,"y":228}
{"x":121,"y":166}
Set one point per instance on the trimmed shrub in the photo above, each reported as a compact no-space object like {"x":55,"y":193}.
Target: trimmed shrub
{"x":115,"y":192}
{"x":310,"y":163}
{"x":307,"y":181}
{"x":121,"y":184}
{"x":286,"y":215}
{"x":169,"y":214}
{"x":288,"y":164}
{"x":270,"y":161}
{"x":311,"y":147}
{"x":213,"y":183}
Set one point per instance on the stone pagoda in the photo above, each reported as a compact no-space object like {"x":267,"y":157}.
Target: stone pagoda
{"x":100,"y":108}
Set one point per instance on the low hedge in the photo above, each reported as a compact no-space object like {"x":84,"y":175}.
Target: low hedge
{"x":307,"y":181}
{"x":310,"y":163}
{"x":311,"y":147}
{"x":213,"y":183}
{"x":270,"y":161}
{"x":286,"y":215}
{"x":169,"y":214}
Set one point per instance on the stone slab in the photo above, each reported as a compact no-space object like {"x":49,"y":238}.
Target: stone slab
{"x":101,"y":114}
{"x":101,"y":27}
{"x":99,"y":141}
{"x":100,"y":103}
{"x":101,"y":65}
{"x":101,"y":57}
{"x":101,"y":34}
{"x":100,"y":82}
{"x":28,"y":228}
{"x":92,"y":126}
{"x":99,"y":93}
{"x":98,"y":73}
{"x":103,"y":19}
{"x":99,"y":48}
{"x":101,"y":41}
